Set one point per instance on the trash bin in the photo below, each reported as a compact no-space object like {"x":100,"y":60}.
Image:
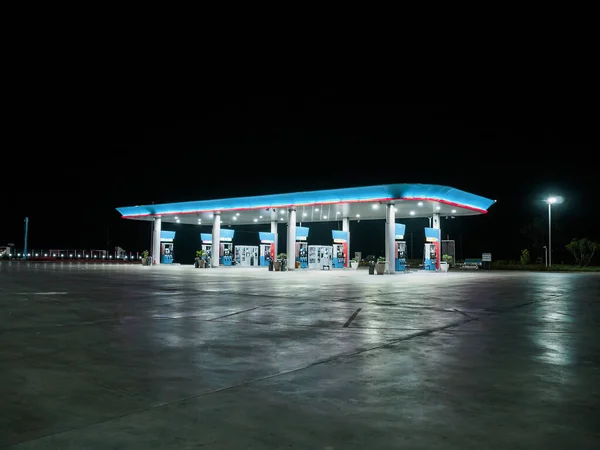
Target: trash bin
{"x":371,"y":267}
{"x":197,"y":263}
{"x":271,"y":266}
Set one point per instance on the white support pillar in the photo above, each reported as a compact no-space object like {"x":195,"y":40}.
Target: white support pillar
{"x":346,"y":227}
{"x":291,"y":240}
{"x":436,"y":225}
{"x":390,"y":235}
{"x":216,"y":240}
{"x":156,"y":240}
{"x":274,"y":231}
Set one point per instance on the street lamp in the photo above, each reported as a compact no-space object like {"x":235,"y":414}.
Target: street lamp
{"x":551,"y":201}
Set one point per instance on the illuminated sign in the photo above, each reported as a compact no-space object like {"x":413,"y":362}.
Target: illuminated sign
{"x":339,"y":237}
{"x":167,"y":236}
{"x":302,"y":233}
{"x":399,"y":232}
{"x":266,"y":238}
{"x":432,"y":234}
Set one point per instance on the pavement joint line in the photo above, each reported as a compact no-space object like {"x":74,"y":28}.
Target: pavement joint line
{"x":352,"y":317}
{"x":461,"y":312}
{"x":388,"y":344}
{"x":237,"y":312}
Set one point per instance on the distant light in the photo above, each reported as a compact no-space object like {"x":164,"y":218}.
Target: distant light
{"x":94,"y":256}
{"x":282,"y":211}
{"x":176,"y":217}
{"x":36,"y":255}
{"x":375,"y":206}
{"x":420,"y":203}
{"x":453,"y":211}
{"x":552,"y":200}
{"x":317,"y":209}
{"x":45,"y":254}
{"x":358,"y":215}
{"x":412,"y":213}
{"x":304,"y":214}
{"x":338,"y":212}
{"x":437,"y":207}
{"x":69,"y":256}
{"x":54,"y":255}
{"x":237,"y":214}
{"x":235,"y":218}
{"x":212,"y":215}
{"x":177,"y":220}
{"x":394,"y":208}
{"x":260,"y":217}
{"x":324,"y":217}
{"x":256,"y":220}
{"x":110,"y":257}
{"x":281,"y":218}
{"x":18,"y":254}
{"x":79,"y":256}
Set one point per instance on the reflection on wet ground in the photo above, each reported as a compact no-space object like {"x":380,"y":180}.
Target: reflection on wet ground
{"x":176,"y":357}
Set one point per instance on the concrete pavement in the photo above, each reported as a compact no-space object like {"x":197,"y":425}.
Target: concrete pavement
{"x":99,"y":356}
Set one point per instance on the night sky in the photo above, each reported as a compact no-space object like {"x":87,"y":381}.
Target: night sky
{"x":71,"y":174}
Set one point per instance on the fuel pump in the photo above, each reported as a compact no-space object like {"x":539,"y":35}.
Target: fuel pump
{"x":267,"y":248}
{"x":226,"y":254}
{"x":302,"y":247}
{"x":431,"y":254}
{"x":166,"y":252}
{"x":339,"y":256}
{"x":400,"y":256}
{"x":340,"y":249}
{"x":302,"y":254}
{"x":166,"y":246}
{"x":265,"y":254}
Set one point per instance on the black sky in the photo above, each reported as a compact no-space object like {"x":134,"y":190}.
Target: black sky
{"x":71,"y":172}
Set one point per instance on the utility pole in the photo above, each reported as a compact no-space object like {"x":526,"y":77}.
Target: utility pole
{"x":26,"y":233}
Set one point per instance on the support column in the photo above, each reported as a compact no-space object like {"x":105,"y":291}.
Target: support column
{"x":216,"y":240}
{"x":156,"y":240}
{"x":291,"y":240}
{"x":390,"y":235}
{"x":346,"y":227}
{"x":276,"y":240}
{"x":436,"y":225}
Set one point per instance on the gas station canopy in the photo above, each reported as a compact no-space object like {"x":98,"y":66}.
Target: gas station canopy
{"x":357,"y":203}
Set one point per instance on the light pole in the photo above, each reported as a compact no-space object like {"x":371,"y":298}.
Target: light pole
{"x":550,"y":201}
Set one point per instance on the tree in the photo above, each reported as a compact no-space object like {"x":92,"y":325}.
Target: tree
{"x":582,"y":250}
{"x":525,"y":257}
